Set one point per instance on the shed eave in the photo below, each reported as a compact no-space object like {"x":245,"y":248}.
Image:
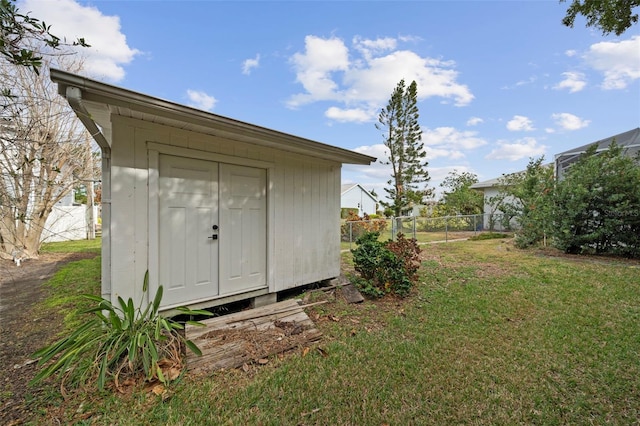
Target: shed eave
{"x":147,"y":108}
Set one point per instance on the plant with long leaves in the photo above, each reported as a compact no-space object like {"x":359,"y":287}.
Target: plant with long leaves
{"x":119,"y":340}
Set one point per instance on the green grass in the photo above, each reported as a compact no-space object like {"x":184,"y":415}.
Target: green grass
{"x":68,"y":284}
{"x":72,"y":280}
{"x":421,"y":237}
{"x":492,"y":335}
{"x":88,"y":246}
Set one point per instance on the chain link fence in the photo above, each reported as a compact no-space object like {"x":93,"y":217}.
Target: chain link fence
{"x":427,"y":229}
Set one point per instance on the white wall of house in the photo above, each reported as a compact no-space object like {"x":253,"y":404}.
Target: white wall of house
{"x":67,"y":223}
{"x":495,"y":214}
{"x":357,"y":198}
{"x":303,"y":193}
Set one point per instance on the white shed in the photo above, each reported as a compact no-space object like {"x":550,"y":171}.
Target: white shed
{"x":216,"y":210}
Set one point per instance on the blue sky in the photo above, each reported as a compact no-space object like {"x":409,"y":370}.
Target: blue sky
{"x":498,"y":81}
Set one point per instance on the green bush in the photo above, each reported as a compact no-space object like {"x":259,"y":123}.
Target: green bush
{"x":345,"y":212}
{"x":118,"y":341}
{"x":385,"y":268}
{"x":597,"y":205}
{"x":355,"y":226}
{"x":489,"y":236}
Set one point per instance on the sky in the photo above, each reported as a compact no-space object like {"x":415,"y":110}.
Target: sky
{"x":499,"y":82}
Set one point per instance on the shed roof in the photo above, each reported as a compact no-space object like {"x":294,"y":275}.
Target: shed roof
{"x":101,"y":100}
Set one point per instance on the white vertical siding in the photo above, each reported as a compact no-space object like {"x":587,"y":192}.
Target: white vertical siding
{"x":307,"y":221}
{"x":303,"y":204}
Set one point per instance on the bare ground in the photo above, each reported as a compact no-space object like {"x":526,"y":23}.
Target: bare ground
{"x":23,"y":330}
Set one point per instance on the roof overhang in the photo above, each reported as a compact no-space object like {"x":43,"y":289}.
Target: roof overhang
{"x":95,"y":102}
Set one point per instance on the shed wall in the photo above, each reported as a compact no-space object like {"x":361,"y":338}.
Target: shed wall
{"x":303,"y":201}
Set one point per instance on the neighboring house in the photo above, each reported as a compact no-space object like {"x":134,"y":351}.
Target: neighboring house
{"x":629,"y":141}
{"x":493,"y":216}
{"x":69,"y":221}
{"x":216,"y":210}
{"x":425,"y":209}
{"x":354,"y":196}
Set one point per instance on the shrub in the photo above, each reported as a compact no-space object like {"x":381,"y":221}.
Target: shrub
{"x":489,"y":236}
{"x":355,"y":226}
{"x":346,"y":211}
{"x":385,"y":268}
{"x":597,"y":205}
{"x":118,"y":341}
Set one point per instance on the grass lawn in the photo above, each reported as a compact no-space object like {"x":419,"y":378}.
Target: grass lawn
{"x":421,"y":237}
{"x":492,"y":335}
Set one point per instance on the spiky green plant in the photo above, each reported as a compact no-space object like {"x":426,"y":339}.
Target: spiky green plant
{"x":118,"y":340}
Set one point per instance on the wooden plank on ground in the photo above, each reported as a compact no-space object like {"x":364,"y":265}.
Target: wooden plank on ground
{"x":229,"y":341}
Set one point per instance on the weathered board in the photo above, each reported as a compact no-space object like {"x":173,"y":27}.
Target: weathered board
{"x":232,"y":340}
{"x":351,"y":294}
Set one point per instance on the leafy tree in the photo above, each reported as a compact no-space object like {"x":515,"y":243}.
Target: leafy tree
{"x":597,"y":204}
{"x":19,"y":33}
{"x":610,"y":16}
{"x":459,"y":198}
{"x":398,"y":122}
{"x":528,"y":197}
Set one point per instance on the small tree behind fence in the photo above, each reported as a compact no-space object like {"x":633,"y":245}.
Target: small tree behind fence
{"x":355,"y":226}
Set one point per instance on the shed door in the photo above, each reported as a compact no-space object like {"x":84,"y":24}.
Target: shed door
{"x":188,"y":202}
{"x":243,"y":228}
{"x":212,"y":229}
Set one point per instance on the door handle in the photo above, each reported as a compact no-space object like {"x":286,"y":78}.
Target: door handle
{"x":213,"y":237}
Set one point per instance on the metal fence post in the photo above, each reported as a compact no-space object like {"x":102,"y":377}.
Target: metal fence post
{"x":415,"y":236}
{"x":446,"y":229}
{"x":350,"y":235}
{"x":475,"y":227}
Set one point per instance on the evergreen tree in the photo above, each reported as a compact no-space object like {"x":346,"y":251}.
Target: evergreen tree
{"x":597,"y":204}
{"x":398,"y":122}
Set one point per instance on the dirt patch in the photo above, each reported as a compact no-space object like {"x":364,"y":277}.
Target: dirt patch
{"x":23,"y":330}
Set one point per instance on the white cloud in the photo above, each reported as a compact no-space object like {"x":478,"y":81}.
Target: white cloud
{"x":322,"y":57}
{"x":618,"y":61}
{"x":523,"y":148}
{"x":69,"y":20}
{"x":569,"y":121}
{"x":365,"y":76}
{"x":520,"y":123}
{"x":433,"y":153}
{"x":570,"y":53}
{"x":452,"y":139}
{"x":574,"y":81}
{"x":201,"y":100}
{"x":250,"y":64}
{"x":342,"y":115}
{"x":378,"y":170}
{"x":368,"y":48}
{"x":474,"y":121}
